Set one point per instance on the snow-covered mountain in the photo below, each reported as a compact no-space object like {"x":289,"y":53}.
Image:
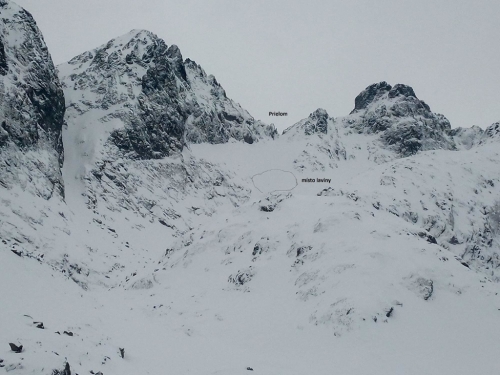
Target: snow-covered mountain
{"x":376,"y":252}
{"x":149,"y":100}
{"x":438,"y":190}
{"x":405,"y":123}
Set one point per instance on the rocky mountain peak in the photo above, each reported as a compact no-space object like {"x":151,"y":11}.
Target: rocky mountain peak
{"x":403,"y":90}
{"x":317,"y":122}
{"x":174,"y":54}
{"x":405,"y":123}
{"x":143,"y":35}
{"x":319,"y":113}
{"x":371,"y":93}
{"x":380,"y":92}
{"x":161,"y":101}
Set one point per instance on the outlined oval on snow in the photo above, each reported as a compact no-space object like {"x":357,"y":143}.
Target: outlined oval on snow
{"x":274,"y":180}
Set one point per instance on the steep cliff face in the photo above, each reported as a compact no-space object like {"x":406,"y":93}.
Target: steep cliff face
{"x":156,"y":101}
{"x":33,"y":216}
{"x":404,"y":123}
{"x":31,"y":107}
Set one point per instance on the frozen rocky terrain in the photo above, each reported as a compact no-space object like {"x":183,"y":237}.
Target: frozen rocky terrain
{"x":152,"y":226}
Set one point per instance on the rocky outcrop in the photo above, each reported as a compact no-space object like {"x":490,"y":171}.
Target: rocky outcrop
{"x":31,"y":107}
{"x":491,"y":134}
{"x":317,"y":122}
{"x":213,"y":117}
{"x":405,"y":124}
{"x":161,"y":102}
{"x":370,"y":94}
{"x":318,"y":141}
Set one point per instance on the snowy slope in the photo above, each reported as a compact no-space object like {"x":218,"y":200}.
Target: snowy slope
{"x":451,"y":195}
{"x":308,"y":286}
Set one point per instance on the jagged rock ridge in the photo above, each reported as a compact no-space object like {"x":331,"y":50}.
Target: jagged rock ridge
{"x":405,"y":123}
{"x":317,"y":122}
{"x":396,"y":123}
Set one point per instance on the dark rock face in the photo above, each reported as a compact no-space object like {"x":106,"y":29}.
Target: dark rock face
{"x":65,"y":371}
{"x":403,"y":90}
{"x":37,"y":83}
{"x":162,"y":101}
{"x":4,"y":68}
{"x":241,"y":277}
{"x":213,"y":117}
{"x":158,"y":126}
{"x":370,"y":94}
{"x":31,"y":100}
{"x":317,"y":122}
{"x":405,"y":123}
{"x":15,"y":348}
{"x":174,"y":53}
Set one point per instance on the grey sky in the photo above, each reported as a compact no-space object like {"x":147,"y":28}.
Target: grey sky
{"x":296,"y":56}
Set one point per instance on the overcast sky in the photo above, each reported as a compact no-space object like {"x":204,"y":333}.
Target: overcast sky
{"x":295,"y":56}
